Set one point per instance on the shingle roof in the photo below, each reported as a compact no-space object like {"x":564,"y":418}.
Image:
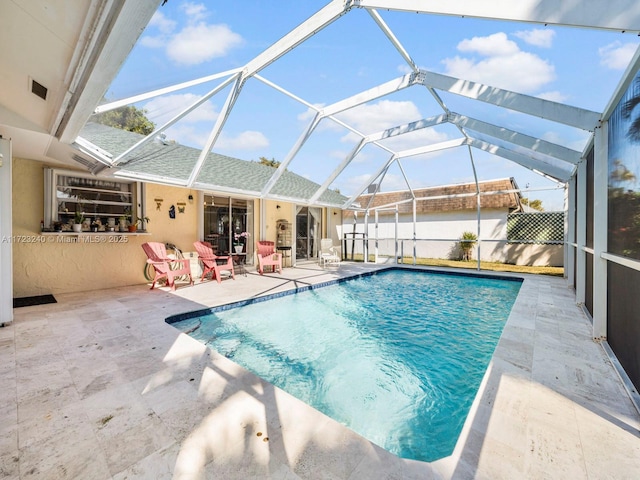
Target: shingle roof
{"x":177,"y":161}
{"x":502,"y":200}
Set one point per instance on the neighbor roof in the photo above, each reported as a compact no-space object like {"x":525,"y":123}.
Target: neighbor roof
{"x":162,"y":159}
{"x":445,"y":198}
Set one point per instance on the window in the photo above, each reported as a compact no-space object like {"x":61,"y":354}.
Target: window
{"x":99,"y":199}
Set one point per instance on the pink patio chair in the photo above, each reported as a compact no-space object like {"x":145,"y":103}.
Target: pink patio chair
{"x":166,"y":267}
{"x":210,"y":262}
{"x":267,"y":257}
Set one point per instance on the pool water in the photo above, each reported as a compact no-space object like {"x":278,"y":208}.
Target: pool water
{"x":397,"y":356}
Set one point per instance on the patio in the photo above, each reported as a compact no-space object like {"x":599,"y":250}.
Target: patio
{"x":99,"y":386}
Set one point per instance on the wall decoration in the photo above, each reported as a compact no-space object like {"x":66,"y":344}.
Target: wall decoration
{"x":172,"y":211}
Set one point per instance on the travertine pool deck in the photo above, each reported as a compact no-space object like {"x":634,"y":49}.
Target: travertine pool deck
{"x":98,"y":386}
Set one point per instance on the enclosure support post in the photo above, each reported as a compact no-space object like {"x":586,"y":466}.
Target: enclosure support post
{"x":375,"y":257}
{"x":600,"y":187}
{"x":6,"y":226}
{"x":365,"y":241}
{"x":475,"y":177}
{"x":414,"y":229}
{"x":569,"y":231}
{"x":396,"y":234}
{"x":581,"y":231}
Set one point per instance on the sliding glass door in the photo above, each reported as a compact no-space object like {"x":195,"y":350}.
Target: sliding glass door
{"x":228,"y":223}
{"x":308,"y":231}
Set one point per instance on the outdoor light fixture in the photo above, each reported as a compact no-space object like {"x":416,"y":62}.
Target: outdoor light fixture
{"x":190,"y":197}
{"x":278,"y":207}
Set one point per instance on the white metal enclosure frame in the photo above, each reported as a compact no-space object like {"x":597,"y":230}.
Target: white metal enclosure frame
{"x":554,"y":161}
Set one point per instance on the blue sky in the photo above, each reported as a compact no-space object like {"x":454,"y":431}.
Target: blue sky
{"x":187,"y":40}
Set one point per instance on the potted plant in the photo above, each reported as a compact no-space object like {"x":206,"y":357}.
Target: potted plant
{"x":467,"y":242}
{"x":78,"y":218}
{"x":139,"y":221}
{"x":239,"y":241}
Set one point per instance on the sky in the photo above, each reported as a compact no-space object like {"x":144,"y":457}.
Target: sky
{"x":189,"y":39}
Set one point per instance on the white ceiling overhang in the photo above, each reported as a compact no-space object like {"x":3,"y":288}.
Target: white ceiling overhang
{"x":72,"y":49}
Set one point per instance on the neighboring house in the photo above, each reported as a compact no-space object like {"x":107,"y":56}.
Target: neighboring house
{"x":443,"y":213}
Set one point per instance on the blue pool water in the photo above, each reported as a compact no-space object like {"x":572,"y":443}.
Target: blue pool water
{"x":397,"y":356}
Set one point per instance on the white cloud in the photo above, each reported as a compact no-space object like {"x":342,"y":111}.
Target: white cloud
{"x":538,"y":37}
{"x":247,"y":140}
{"x":617,"y":55}
{"x":197,"y":42}
{"x":162,"y":109}
{"x":505,"y":65}
{"x":494,"y":45}
{"x":373,"y":117}
{"x":554,"y":96}
{"x":403,"y":68}
{"x":195,"y":11}
{"x":309,"y":113}
{"x":200,"y":43}
{"x":162,"y":23}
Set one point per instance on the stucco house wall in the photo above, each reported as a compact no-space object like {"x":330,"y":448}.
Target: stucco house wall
{"x":51,"y":264}
{"x":437,"y":233}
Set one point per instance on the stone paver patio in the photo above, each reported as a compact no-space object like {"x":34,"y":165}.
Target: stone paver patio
{"x":98,"y":386}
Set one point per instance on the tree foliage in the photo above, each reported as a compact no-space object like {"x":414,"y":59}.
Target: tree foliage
{"x":127,"y":118}
{"x":269,"y":163}
{"x":535,"y":204}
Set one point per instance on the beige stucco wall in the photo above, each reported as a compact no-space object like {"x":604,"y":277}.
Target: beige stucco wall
{"x":43,"y":264}
{"x":287,"y":211}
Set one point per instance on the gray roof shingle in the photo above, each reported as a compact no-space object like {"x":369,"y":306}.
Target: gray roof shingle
{"x":168,"y":159}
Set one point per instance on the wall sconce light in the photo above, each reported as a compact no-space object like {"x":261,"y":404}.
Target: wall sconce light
{"x":335,"y":213}
{"x":278,"y":207}
{"x":190,"y":197}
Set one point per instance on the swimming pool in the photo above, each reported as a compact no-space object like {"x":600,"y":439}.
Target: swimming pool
{"x":397,"y":356}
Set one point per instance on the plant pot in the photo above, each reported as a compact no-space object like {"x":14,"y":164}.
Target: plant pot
{"x":77,"y":227}
{"x":133,"y":228}
{"x":238,"y":248}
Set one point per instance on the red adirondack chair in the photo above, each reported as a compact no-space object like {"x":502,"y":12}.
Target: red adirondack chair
{"x":210,"y":261}
{"x":268,"y":257}
{"x":164,"y":266}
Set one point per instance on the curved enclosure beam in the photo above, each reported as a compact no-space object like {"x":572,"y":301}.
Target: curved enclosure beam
{"x":620,"y":15}
{"x":538,"y":166}
{"x":174,"y":120}
{"x":557,"y":112}
{"x":526,"y":141}
{"x":163,"y":91}
{"x":327,"y":15}
{"x":217,"y":128}
{"x":436,"y":147}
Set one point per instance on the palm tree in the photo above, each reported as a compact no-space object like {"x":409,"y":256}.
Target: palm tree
{"x":467,"y":242}
{"x":633,"y":133}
